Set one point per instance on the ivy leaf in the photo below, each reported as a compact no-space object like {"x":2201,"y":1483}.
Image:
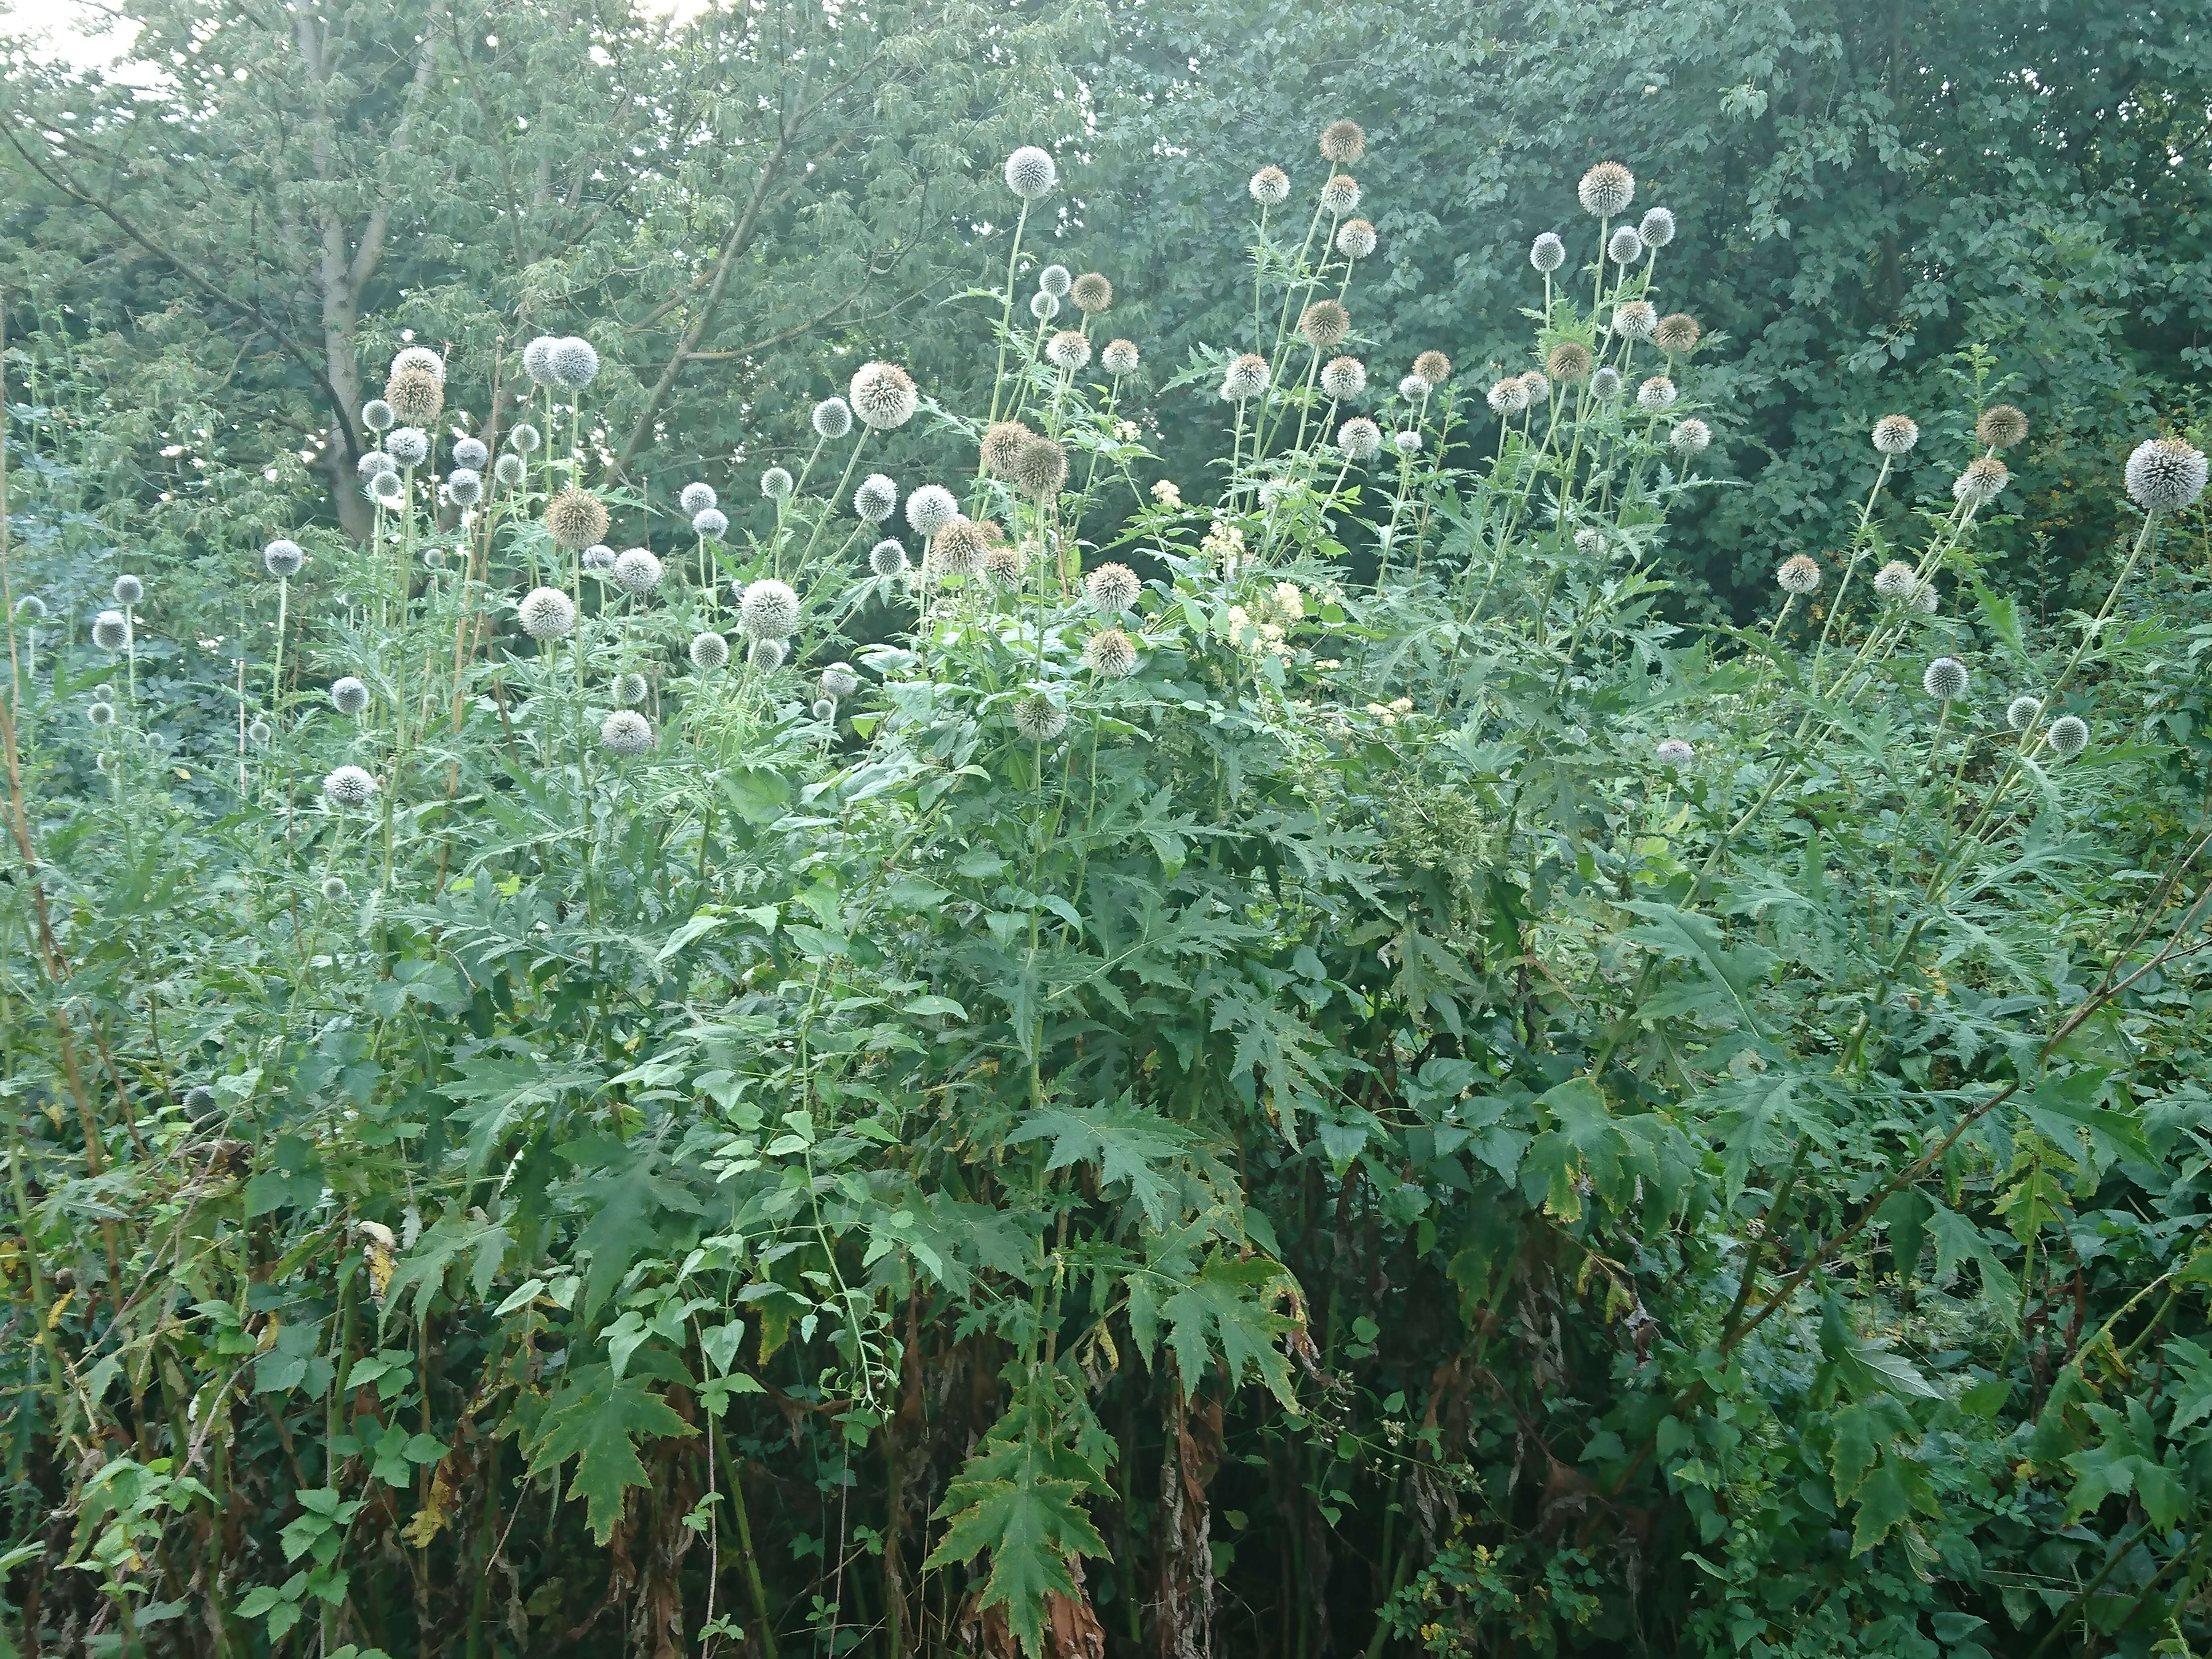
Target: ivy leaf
{"x":599,"y":1420}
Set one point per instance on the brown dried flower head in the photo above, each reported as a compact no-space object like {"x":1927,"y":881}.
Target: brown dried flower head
{"x":1677,"y":332}
{"x":416,"y":396}
{"x":1325,"y":324}
{"x":1570,"y":360}
{"x":2000,"y":426}
{"x":1342,"y":142}
{"x":1433,"y":366}
{"x":1040,"y":468}
{"x":1091,"y":294}
{"x":1002,"y":442}
{"x":577,"y":518}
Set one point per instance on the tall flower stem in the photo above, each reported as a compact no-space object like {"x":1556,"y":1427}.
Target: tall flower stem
{"x":1006,"y":315}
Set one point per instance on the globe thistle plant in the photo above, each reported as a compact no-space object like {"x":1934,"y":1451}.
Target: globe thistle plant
{"x":1343,"y":379}
{"x":1690,"y":438}
{"x":418,"y":359}
{"x":349,"y":786}
{"x":1005,"y":563}
{"x":1324,"y":325}
{"x":824,"y":709}
{"x":335,"y":890}
{"x":1508,"y":397}
{"x":958,"y":550}
{"x":1798,"y":575}
{"x":1408,"y":441}
{"x":1589,"y":542}
{"x":1030,"y":174}
{"x":626,"y":732}
{"x":1538,"y":386}
{"x":1635,"y":319}
{"x":1568,"y":362}
{"x":697,"y":498}
{"x":1624,"y":246}
{"x":387,"y":489}
{"x":410,"y":446}
{"x":1656,"y":227}
{"x":930,"y":508}
{"x":1045,"y":306}
{"x":1655,"y":394}
{"x":776,"y":484}
{"x":1433,"y":366}
{"x":1112,"y":588}
{"x":832,"y":418}
{"x":2164,"y":474}
{"x":257,"y":732}
{"x":573,"y":363}
{"x":1414,"y":389}
{"x":1979,"y":484}
{"x":1040,"y":468}
{"x":2022,"y":711}
{"x":767,"y":609}
{"x":1605,"y":190}
{"x":875,"y":498}
{"x":631,"y":689}
{"x":100,"y":713}
{"x":1245,"y":378}
{"x":416,"y":397}
{"x":1342,"y":142}
{"x":546,"y":613}
{"x":349,"y":696}
{"x":1091,"y":294}
{"x":1069,"y":350}
{"x":2068,"y":737}
{"x":1606,"y":385}
{"x":1039,"y":719}
{"x":1110,"y":654}
{"x":1945,"y":679}
{"x":524,"y":438}
{"x":464,"y":486}
{"x":1359,"y":438}
{"x":129,"y":590}
{"x":1895,"y":434}
{"x":600,"y":558}
{"x":839,"y":680}
{"x":1676,"y":333}
{"x":472,"y":454}
{"x":1355,"y":238}
{"x":766,"y":656}
{"x":1055,"y":280}
{"x":1547,"y":252}
{"x":1896,"y":581}
{"x":377,"y":415}
{"x":709,"y":651}
{"x":1002,"y":440}
{"x":537,"y":360}
{"x":888,"y":558}
{"x":710,"y":523}
{"x":1270,"y":186}
{"x":2000,"y":426}
{"x":373,"y":462}
{"x":283,"y":558}
{"x":111,"y":631}
{"x":883,"y":395}
{"x":1120,"y":357}
{"x":576,"y":518}
{"x":1340,"y":196}
{"x":1674,"y":752}
{"x":507,"y":469}
{"x":636,"y":571}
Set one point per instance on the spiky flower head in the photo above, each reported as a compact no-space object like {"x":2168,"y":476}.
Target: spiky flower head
{"x":1945,"y":679}
{"x":31,"y":609}
{"x":930,"y":508}
{"x":1005,"y":562}
{"x":574,"y":362}
{"x":1091,"y":294}
{"x":1894,"y":435}
{"x":1270,"y":186}
{"x":1673,"y":752}
{"x":1355,"y":238}
{"x":110,"y":631}
{"x":1656,"y":227}
{"x":1676,"y":333}
{"x":100,"y":713}
{"x":257,"y":732}
{"x":1605,"y":384}
{"x":2000,"y":426}
{"x":1359,"y":438}
{"x":1624,"y":246}
{"x":507,"y":469}
{"x":524,"y":440}
{"x":1635,"y":319}
{"x":1040,"y":468}
{"x":2023,"y":712}
{"x":1110,"y":654}
{"x":2165,"y":475}
{"x":464,"y":486}
{"x":334,"y":889}
{"x":1002,"y":440}
{"x":1985,"y":475}
{"x":630,"y":690}
{"x":388,"y":488}
{"x":348,"y":786}
{"x":1342,"y":142}
{"x":1589,"y":543}
{"x":958,"y":550}
{"x":1112,"y":587}
{"x":2068,"y":737}
{"x":887,"y":558}
{"x":410,"y":446}
{"x":373,"y":462}
{"x":599,"y":557}
{"x":636,"y":571}
{"x":709,"y":651}
{"x":1414,"y":389}
{"x":1324,"y":324}
{"x":434,"y":558}
{"x":1538,"y":386}
{"x":1032,"y":173}
{"x":824,"y":709}
{"x":536,"y":360}
{"x":1433,"y":366}
{"x":840,"y":681}
{"x":1895,"y":580}
{"x":1045,"y":306}
{"x":470,"y":453}
{"x":1799,"y":574}
{"x":776,"y":484}
{"x":1508,"y":397}
{"x":767,"y":609}
{"x":546,"y":613}
{"x":1340,"y":195}
{"x":1690,"y":437}
{"x":1925,"y":598}
{"x":576,"y":518}
{"x":1605,"y":190}
{"x":875,"y":498}
{"x":128,"y":590}
{"x":1343,"y":378}
{"x":1120,"y":357}
{"x":767,"y":655}
{"x":416,"y":396}
{"x":418,"y":358}
{"x":1039,"y":719}
{"x":1407,"y":441}
{"x":626,"y":731}
{"x":1570,"y":360}
{"x":1547,"y":252}
{"x":710,"y":523}
{"x":1069,"y":350}
{"x":377,"y":415}
{"x":694,"y":498}
{"x":1055,"y":280}
{"x":832,"y":418}
{"x":348,"y":695}
{"x":883,"y":395}
{"x":1246,"y":377}
{"x":1655,"y":393}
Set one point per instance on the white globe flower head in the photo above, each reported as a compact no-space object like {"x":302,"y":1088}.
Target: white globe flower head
{"x":636,"y":571}
{"x":840,"y":680}
{"x":1655,"y":394}
{"x":767,"y":655}
{"x":1344,"y":378}
{"x":1110,"y":654}
{"x":376,"y":415}
{"x":1508,"y":397}
{"x":776,"y":484}
{"x":129,"y":590}
{"x":1799,"y":574}
{"x":1045,"y":306}
{"x":1112,"y":587}
{"x":464,"y":486}
{"x":1359,"y":438}
{"x":883,"y":396}
{"x":1270,"y":186}
{"x":709,"y":651}
{"x":888,"y":558}
{"x":111,"y":631}
{"x":2022,"y":711}
{"x":2068,"y":737}
{"x":832,"y":418}
{"x":1589,"y":543}
{"x":1547,"y":252}
{"x":711,"y":523}
{"x":1039,"y":719}
{"x":546,"y":613}
{"x":2165,"y":475}
{"x":373,"y":462}
{"x":1691,"y":438}
{"x":421,"y":358}
{"x":598,"y":558}
{"x":1355,"y":238}
{"x":1624,"y":246}
{"x":507,"y":469}
{"x":1945,"y":679}
{"x":349,"y":786}
{"x":537,"y":359}
{"x":875,"y":498}
{"x":410,"y":446}
{"x":387,"y":489}
{"x":524,"y":440}
{"x":631,"y":689}
{"x":348,"y":695}
{"x":1895,"y":580}
{"x":334,"y":889}
{"x":1032,"y":173}
{"x":1120,"y":357}
{"x":1414,"y":388}
{"x":825,"y":709}
{"x":626,"y":732}
{"x":930,"y":508}
{"x":1656,"y":227}
{"x":1895,"y":434}
{"x":1056,"y":280}
{"x":1408,"y":441}
{"x":574,"y":362}
{"x":767,"y":609}
{"x":100,"y":713}
{"x":1673,"y":752}
{"x":1068,"y":350}
{"x":1605,"y":190}
{"x":259,"y":732}
{"x":1635,"y":319}
{"x":697,"y":498}
{"x":472,"y":454}
{"x":1245,"y":378}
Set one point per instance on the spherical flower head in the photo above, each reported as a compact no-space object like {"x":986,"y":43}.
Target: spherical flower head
{"x":2068,"y":737}
{"x":958,"y":550}
{"x":283,"y":558}
{"x":1538,"y":387}
{"x":1799,"y":574}
{"x":875,"y":498}
{"x":887,"y":558}
{"x":636,"y":571}
{"x":1359,"y":438}
{"x":1607,"y":385}
{"x":1569,"y":361}
{"x":1289,"y":601}
{"x":883,"y":396}
{"x":710,"y":523}
{"x":1433,"y":366}
{"x":348,"y":695}
{"x":470,"y":453}
{"x":257,"y":732}
{"x":128,"y":590}
{"x":1068,"y":350}
{"x":2165,"y":475}
{"x":574,"y":362}
{"x":1005,"y":563}
{"x":1355,"y":238}
{"x":100,"y":713}
{"x":1589,"y":543}
{"x":1547,"y":252}
{"x":1120,"y":357}
{"x":626,"y":732}
{"x":2000,"y":426}
{"x":824,"y":709}
{"x":1673,"y":752}
{"x":1091,"y":294}
{"x":507,"y":469}
{"x":1055,"y":280}
{"x":832,"y":418}
{"x":1635,"y":319}
{"x":1655,"y":393}
{"x":524,"y":440}
{"x":840,"y":681}
{"x":417,"y":397}
{"x":1112,"y":588}
{"x":1002,"y":442}
{"x":1656,"y":227}
{"x":110,"y":631}
{"x":1676,"y":333}
{"x":1039,"y":719}
{"x":1246,"y":377}
{"x":420,"y":359}
{"x":2023,"y":712}
{"x":1324,"y":324}
{"x":1032,"y":173}
{"x":709,"y":651}
{"x":1925,"y":598}
{"x":464,"y":486}
{"x":377,"y":415}
{"x":767,"y":609}
{"x":1945,"y":679}
{"x":767,"y":655}
{"x":1270,"y":186}
{"x":1040,"y":468}
{"x":410,"y":446}
{"x":1979,"y":484}
{"x":1110,"y":654}
{"x":349,"y":786}
{"x":1414,"y":389}
{"x":537,"y":360}
{"x":697,"y":498}
{"x":930,"y":508}
{"x":546,"y":613}
{"x":1343,"y":378}
{"x":1408,"y":441}
{"x":31,"y":609}
{"x":577,"y":518}
{"x":1624,"y":246}
{"x":1342,"y":142}
{"x":1690,"y":437}
{"x":776,"y":484}
{"x":1508,"y":397}
{"x":388,"y":488}
{"x":598,"y":558}
{"x":333,"y":889}
{"x":1605,"y":190}
{"x":1340,"y":195}
{"x":1894,"y":435}
{"x":1895,"y":580}
{"x":434,"y":558}
{"x":630,"y":690}
{"x":1045,"y":306}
